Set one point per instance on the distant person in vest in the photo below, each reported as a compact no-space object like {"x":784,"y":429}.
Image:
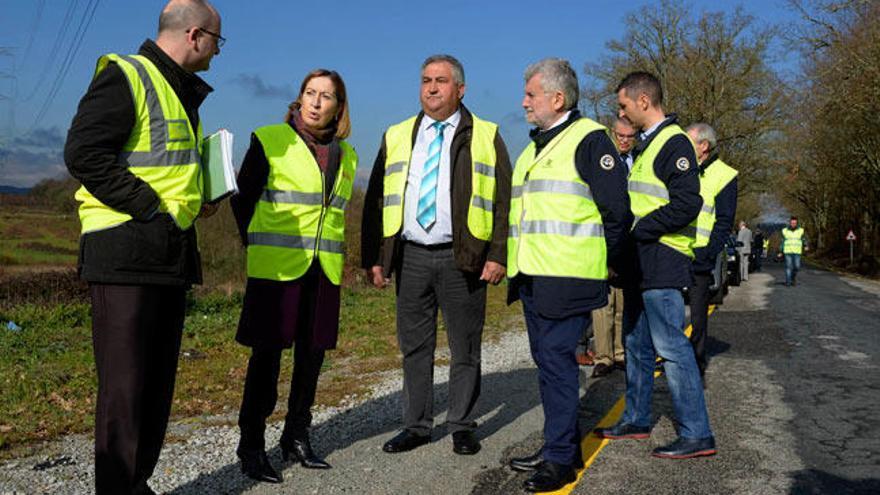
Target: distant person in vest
{"x":294,"y":184}
{"x":138,"y":248}
{"x":718,"y":187}
{"x":608,"y":321}
{"x":664,"y":190}
{"x":794,"y":243}
{"x":569,"y":212}
{"x":435,"y":215}
{"x":744,"y":236}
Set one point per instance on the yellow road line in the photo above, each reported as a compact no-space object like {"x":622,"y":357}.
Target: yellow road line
{"x":591,"y":445}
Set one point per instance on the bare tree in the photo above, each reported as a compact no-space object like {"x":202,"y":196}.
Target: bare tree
{"x":715,"y":68}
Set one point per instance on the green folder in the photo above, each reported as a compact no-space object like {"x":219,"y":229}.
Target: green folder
{"x":218,"y":175}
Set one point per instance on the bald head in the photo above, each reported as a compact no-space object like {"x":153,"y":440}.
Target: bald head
{"x":189,"y":33}
{"x":180,"y":15}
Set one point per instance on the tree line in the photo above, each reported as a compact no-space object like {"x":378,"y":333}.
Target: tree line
{"x":808,"y":139}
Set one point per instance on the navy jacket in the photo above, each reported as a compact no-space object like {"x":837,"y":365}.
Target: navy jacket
{"x":725,"y":212}
{"x":660,"y":266}
{"x":562,"y":297}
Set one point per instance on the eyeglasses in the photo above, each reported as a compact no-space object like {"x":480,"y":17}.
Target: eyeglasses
{"x":220,"y":39}
{"x":624,"y":136}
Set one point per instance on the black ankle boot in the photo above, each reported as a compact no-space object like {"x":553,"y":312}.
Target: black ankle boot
{"x":255,"y":465}
{"x":301,"y":450}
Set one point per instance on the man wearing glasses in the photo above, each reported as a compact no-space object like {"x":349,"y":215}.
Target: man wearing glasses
{"x":135,"y":146}
{"x":625,"y":138}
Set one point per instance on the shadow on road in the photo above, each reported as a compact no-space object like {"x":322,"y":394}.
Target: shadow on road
{"x":506,"y":395}
{"x":814,"y":481}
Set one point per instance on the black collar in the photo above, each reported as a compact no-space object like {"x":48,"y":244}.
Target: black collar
{"x":541,"y":137}
{"x":190,"y":88}
{"x":643,"y":144}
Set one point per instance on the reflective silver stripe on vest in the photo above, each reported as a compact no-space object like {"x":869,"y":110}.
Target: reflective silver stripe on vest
{"x":649,"y":189}
{"x":702,"y":232}
{"x":394,"y":168}
{"x":159,"y":155}
{"x":293,"y":197}
{"x":556,"y":186}
{"x":338,"y":202}
{"x":392,"y":200}
{"x":516,"y":192}
{"x":707,"y":209}
{"x":482,"y":203}
{"x":558,"y":227}
{"x":281,"y":240}
{"x":158,"y":159}
{"x":483,"y":169}
{"x":329,"y":246}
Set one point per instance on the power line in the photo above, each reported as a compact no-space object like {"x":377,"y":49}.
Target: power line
{"x":68,"y":61}
{"x":56,"y":47}
{"x":33,"y":33}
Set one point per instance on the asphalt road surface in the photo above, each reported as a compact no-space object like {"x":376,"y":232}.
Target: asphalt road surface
{"x":793,"y":396}
{"x":793,"y":393}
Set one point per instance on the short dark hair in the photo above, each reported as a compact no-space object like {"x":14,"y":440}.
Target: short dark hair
{"x":636,"y":83}
{"x":793,"y":218}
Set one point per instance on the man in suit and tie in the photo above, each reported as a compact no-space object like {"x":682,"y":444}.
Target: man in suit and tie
{"x":435,"y":216}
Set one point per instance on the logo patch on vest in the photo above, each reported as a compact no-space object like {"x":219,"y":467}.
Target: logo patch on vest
{"x":682,"y":164}
{"x":606,"y":162}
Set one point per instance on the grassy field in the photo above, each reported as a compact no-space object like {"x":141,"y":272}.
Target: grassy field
{"x":47,"y":378}
{"x":32,"y":236}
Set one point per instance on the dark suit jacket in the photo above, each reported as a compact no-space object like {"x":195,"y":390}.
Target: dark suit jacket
{"x":470,"y":253}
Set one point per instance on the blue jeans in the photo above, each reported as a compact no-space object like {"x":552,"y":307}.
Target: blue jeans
{"x":553,"y":344}
{"x":792,"y":265}
{"x":652,"y":323}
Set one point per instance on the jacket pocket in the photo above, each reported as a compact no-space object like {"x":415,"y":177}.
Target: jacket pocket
{"x":154,"y":246}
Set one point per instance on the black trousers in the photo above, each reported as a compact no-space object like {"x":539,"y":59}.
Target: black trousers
{"x":699,"y":295}
{"x":261,"y":392}
{"x":136,"y":332}
{"x":428,"y":280}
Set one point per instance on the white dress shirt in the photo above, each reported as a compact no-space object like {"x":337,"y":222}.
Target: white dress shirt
{"x":441,"y":231}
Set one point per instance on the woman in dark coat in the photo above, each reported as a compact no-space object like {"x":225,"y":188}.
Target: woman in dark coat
{"x":293,"y":186}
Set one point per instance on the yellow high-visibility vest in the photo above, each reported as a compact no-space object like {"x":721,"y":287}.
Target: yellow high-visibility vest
{"x":292,"y":222}
{"x":555,"y":226}
{"x":648,"y":193}
{"x":162,"y":149}
{"x":793,"y":241}
{"x":398,"y":154}
{"x":715,"y":178}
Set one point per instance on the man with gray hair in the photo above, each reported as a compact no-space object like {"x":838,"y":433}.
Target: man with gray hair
{"x":569,"y":213}
{"x":135,"y":146}
{"x":435,"y":215}
{"x":718,"y":187}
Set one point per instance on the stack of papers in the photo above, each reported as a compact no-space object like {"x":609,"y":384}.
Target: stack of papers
{"x":217,"y":171}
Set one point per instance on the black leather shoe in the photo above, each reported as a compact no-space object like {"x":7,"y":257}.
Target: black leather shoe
{"x":255,"y":465}
{"x":301,"y":450}
{"x":685,"y":448}
{"x":549,"y":477}
{"x":621,"y":365}
{"x":404,"y":441}
{"x":528,"y":463}
{"x":601,"y":370}
{"x":622,"y":431}
{"x":465,"y":443}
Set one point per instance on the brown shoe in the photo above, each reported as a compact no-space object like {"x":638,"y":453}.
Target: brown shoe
{"x":601,"y":370}
{"x":585,"y":359}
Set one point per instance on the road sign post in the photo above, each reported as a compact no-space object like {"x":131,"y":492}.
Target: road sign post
{"x":851,"y":237}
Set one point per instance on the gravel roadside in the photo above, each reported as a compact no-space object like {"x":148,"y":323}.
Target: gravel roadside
{"x":199,"y":454}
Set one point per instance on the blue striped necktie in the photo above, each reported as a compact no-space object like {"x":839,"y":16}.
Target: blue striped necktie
{"x":427,"y":211}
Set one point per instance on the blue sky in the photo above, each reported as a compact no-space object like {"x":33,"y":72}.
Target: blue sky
{"x":377,"y":46}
